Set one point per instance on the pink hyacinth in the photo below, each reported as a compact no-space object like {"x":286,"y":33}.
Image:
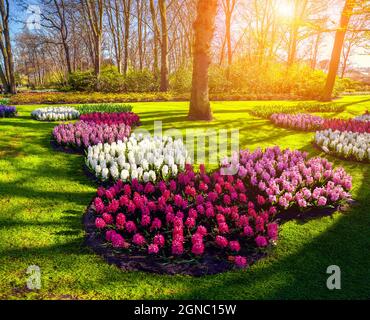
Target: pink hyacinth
{"x":118,"y":241}
{"x":153,"y":248}
{"x":234,"y":245}
{"x":138,"y":239}
{"x":100,"y":223}
{"x":130,"y":226}
{"x":159,"y":240}
{"x":177,"y":247}
{"x":197,"y":248}
{"x":272,"y":231}
{"x":109,"y":234}
{"x":221,"y":241}
{"x":322,"y":201}
{"x":240,"y":262}
{"x":261,"y":241}
{"x":107,"y":218}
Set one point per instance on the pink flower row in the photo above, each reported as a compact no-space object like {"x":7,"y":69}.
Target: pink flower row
{"x":308,"y":122}
{"x":113,"y":118}
{"x":84,"y":134}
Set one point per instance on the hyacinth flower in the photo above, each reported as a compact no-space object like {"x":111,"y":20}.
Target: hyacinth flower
{"x":139,"y":157}
{"x":81,"y":135}
{"x":300,"y":121}
{"x":129,"y":118}
{"x":349,"y":145}
{"x":194,"y":213}
{"x":7,"y":111}
{"x":55,"y":114}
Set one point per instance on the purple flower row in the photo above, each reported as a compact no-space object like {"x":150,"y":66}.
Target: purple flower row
{"x":7,"y":111}
{"x":300,"y":121}
{"x":288,"y":179}
{"x":84,"y":134}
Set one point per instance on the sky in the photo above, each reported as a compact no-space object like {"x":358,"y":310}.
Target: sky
{"x":19,"y":17}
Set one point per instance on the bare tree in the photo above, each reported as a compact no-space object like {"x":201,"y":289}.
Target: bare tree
{"x":7,"y":74}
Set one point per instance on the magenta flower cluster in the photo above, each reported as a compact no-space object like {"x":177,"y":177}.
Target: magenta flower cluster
{"x":300,"y":121}
{"x":230,"y":216}
{"x":286,"y":179}
{"x":83,"y":134}
{"x":128,"y":118}
{"x":188,"y":216}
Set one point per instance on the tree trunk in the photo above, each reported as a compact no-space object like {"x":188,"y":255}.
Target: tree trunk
{"x":337,"y":49}
{"x":164,"y":47}
{"x":7,"y":53}
{"x":204,"y":26}
{"x":127,"y":12}
{"x":155,"y":38}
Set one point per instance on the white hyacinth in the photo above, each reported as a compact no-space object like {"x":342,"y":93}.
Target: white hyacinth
{"x":55,"y":114}
{"x":346,"y":144}
{"x":139,"y":157}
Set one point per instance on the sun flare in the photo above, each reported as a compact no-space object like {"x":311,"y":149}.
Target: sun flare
{"x":285,"y":9}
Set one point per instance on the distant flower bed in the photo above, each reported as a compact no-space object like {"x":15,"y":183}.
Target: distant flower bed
{"x":82,"y":134}
{"x":128,"y":118}
{"x":364,"y":117}
{"x":347,"y":125}
{"x":103,"y":107}
{"x":265,"y":111}
{"x":7,"y":111}
{"x":349,"y":145}
{"x":300,"y":121}
{"x":55,"y":114}
{"x":200,"y":217}
{"x":142,"y":158}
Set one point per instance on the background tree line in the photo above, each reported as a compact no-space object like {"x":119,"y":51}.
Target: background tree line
{"x":147,"y":45}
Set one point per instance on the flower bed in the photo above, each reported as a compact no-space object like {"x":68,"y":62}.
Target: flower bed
{"x":287,"y":179}
{"x":364,"y":117}
{"x":300,"y":121}
{"x":349,"y":145}
{"x":55,"y":114}
{"x":128,"y":118}
{"x":7,"y":111}
{"x":346,"y":125}
{"x":199,"y":223}
{"x":266,"y":111}
{"x":143,"y":158}
{"x":103,"y":107}
{"x":81,"y":135}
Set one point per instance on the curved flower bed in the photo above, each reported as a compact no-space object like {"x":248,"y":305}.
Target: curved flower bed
{"x":300,"y":121}
{"x":308,"y":122}
{"x":364,"y":117}
{"x":55,"y":114}
{"x":199,"y":223}
{"x":143,"y":158}
{"x":128,"y":118}
{"x":7,"y":111}
{"x":82,"y":134}
{"x":346,"y":125}
{"x":287,"y":179}
{"x":349,"y":145}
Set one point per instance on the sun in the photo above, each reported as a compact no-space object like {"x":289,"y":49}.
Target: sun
{"x":285,"y":9}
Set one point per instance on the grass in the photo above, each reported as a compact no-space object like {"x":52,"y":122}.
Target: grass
{"x":43,"y":195}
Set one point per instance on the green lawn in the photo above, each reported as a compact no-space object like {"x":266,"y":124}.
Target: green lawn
{"x":43,"y":195}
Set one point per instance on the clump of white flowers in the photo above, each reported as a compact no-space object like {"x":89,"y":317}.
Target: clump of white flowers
{"x":364,"y":117}
{"x":350,"y":145}
{"x":55,"y":114}
{"x":139,"y":157}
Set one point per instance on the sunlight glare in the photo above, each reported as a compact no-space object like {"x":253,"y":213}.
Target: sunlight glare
{"x":285,"y":9}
